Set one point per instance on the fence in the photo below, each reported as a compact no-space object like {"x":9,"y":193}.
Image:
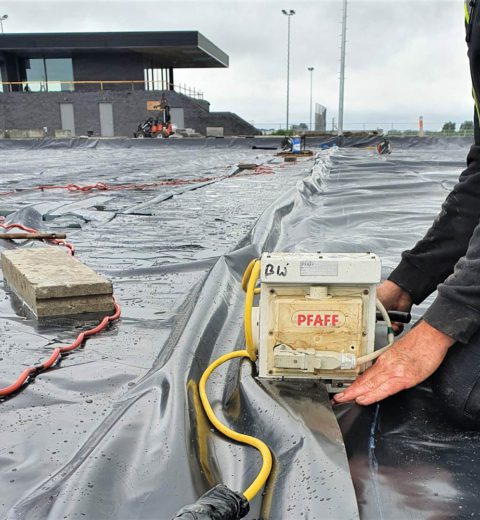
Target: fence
{"x":69,"y":86}
{"x":399,"y":129}
{"x":410,"y":128}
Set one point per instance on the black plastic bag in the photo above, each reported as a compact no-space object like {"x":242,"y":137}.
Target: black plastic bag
{"x":220,"y":503}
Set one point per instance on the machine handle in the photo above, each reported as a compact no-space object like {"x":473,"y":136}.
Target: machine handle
{"x":397,"y":316}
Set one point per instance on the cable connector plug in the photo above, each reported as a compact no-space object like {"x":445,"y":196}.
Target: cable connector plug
{"x":331,"y":360}
{"x":310,"y":360}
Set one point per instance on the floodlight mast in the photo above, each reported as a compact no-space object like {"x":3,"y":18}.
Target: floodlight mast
{"x":288,"y":14}
{"x":311,"y":69}
{"x":342,"y":69}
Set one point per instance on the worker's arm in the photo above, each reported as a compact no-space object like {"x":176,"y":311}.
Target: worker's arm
{"x":453,"y":316}
{"x":456,"y":309}
{"x":410,"y":361}
{"x":434,"y":257}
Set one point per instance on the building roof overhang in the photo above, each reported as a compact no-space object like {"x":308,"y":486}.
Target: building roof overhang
{"x":175,"y":49}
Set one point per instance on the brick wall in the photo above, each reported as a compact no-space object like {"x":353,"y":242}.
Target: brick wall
{"x":38,"y":109}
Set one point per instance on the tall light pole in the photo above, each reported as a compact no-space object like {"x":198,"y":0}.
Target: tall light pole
{"x":342,"y":69}
{"x":311,"y":69}
{"x":288,"y":14}
{"x":2,"y":19}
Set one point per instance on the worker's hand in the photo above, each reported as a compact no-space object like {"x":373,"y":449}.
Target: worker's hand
{"x":394,"y":298}
{"x":407,"y":363}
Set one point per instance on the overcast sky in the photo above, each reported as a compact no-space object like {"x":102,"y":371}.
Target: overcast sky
{"x":404,"y":58}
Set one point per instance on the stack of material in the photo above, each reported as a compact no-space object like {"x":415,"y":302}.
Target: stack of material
{"x":51,"y":283}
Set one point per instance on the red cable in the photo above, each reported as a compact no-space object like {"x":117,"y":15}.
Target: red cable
{"x":101,"y":186}
{"x":58,"y":352}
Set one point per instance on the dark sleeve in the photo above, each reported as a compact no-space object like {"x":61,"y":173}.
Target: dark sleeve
{"x":456,"y":310}
{"x":433,"y":258}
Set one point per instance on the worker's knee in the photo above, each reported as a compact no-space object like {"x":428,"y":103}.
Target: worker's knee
{"x":456,"y":405}
{"x":456,"y":385}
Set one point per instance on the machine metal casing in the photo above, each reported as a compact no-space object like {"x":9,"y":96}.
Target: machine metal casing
{"x":316,"y":302}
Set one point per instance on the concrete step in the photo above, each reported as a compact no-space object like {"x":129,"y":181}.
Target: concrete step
{"x":52,"y":283}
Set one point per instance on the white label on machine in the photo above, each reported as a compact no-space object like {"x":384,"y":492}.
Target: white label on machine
{"x":309,"y":268}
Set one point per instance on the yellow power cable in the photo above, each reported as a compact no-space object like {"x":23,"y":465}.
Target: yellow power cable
{"x":262,"y":477}
{"x":247,"y":273}
{"x":249,"y":281}
{"x":252,"y":281}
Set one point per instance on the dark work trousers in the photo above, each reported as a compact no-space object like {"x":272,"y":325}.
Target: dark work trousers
{"x":457,"y":382}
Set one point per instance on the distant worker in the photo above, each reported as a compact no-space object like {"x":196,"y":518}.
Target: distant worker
{"x":384,"y":147}
{"x":164,"y":115}
{"x":287,"y":144}
{"x":446,"y":341}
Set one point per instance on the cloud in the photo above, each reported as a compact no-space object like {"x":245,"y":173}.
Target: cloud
{"x":404,"y":58}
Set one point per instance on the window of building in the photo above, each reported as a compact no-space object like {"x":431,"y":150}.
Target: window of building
{"x":59,"y":74}
{"x":35,"y":76}
{"x":47,"y":74}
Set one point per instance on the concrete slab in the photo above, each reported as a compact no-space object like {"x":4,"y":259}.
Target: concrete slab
{"x":71,"y":306}
{"x":214,"y":131}
{"x":32,"y":133}
{"x":60,"y":134}
{"x":52,"y":283}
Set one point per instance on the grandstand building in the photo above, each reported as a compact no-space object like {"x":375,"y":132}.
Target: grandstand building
{"x":104,"y":84}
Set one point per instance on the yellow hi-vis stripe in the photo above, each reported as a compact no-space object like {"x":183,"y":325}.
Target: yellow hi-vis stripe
{"x":467,"y":14}
{"x":475,"y":98}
